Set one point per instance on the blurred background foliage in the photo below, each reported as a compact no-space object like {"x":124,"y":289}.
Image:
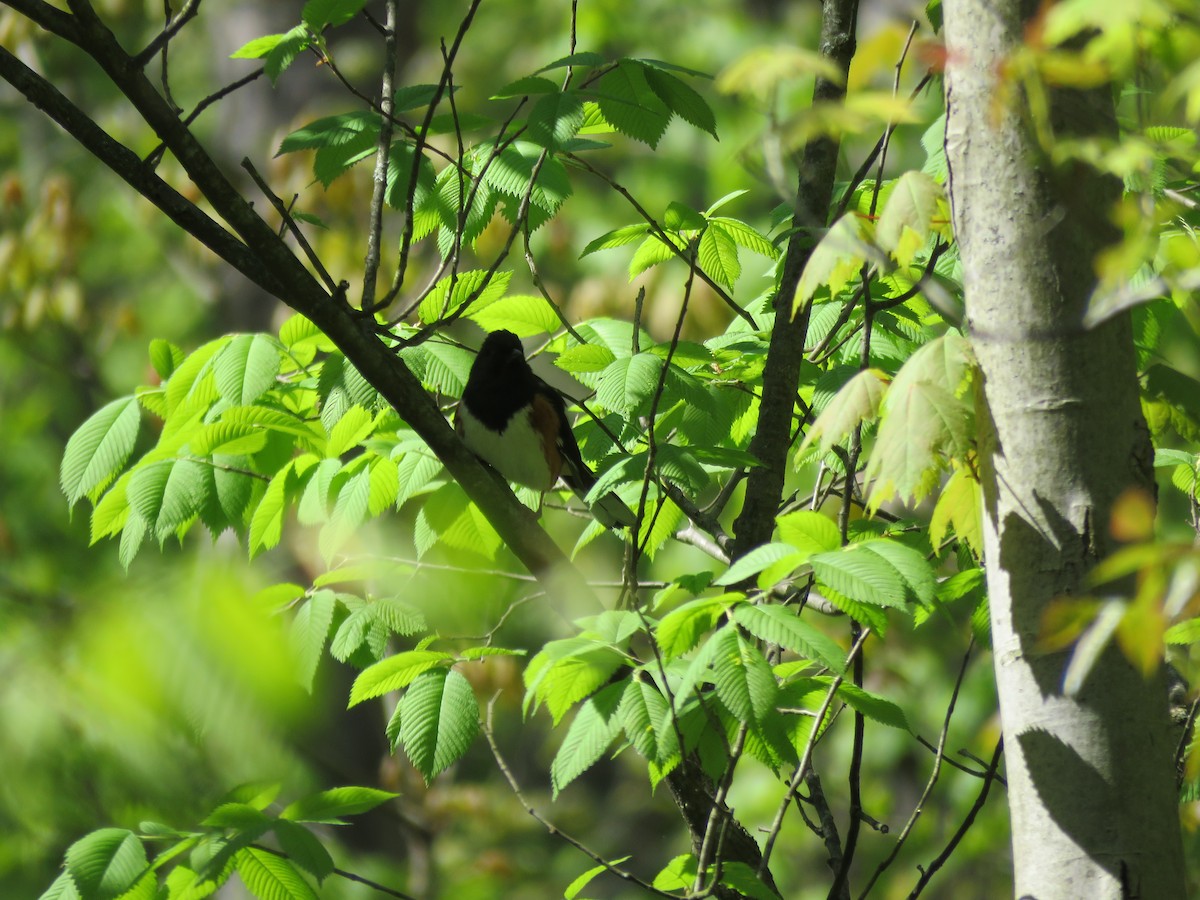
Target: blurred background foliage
{"x":147,"y":695}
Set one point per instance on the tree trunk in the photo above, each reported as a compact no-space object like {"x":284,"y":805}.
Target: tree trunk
{"x":1090,"y":776}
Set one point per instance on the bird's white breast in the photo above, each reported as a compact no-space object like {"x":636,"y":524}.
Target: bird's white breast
{"x":516,"y":452}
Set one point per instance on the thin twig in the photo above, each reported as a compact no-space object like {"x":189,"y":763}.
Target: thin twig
{"x":662,"y":235}
{"x":349,"y":876}
{"x":280,"y":208}
{"x":940,"y":861}
{"x":802,"y":767}
{"x":173,"y":27}
{"x":382,"y":157}
{"x":553,"y":829}
{"x":939,"y":755}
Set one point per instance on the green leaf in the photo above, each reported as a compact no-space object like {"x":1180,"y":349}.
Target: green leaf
{"x":594,"y":728}
{"x":523,"y":87}
{"x":618,"y":237}
{"x":857,"y":402}
{"x":246,"y":368}
{"x":1186,"y":632}
{"x":756,"y":561}
{"x":745,"y":236}
{"x":455,"y":290}
{"x":319,"y":13}
{"x":678,"y":875}
{"x":959,"y":507}
{"x":834,"y":261}
{"x":630,"y":105}
{"x":555,"y":119}
{"x":915,"y":208}
{"x":744,"y":680}
{"x":524,"y":315}
{"x":303,"y":848}
{"x":258,"y":47}
{"x":235,"y":815}
{"x":860,"y":574}
{"x":512,"y":170}
{"x":585,"y":58}
{"x":291,"y":44}
{"x":681,"y":629}
{"x":926,"y":417}
{"x":99,"y":449}
{"x":628,"y":384}
{"x":106,"y":863}
{"x":585,"y":358}
{"x":271,"y":877}
{"x":394,"y":673}
{"x":876,"y":708}
{"x":566,"y":671}
{"x":331,"y":805}
{"x":351,"y":429}
{"x":165,"y":357}
{"x":310,"y":630}
{"x":642,"y":707}
{"x":718,"y":256}
{"x":572,"y":890}
{"x":809,"y":532}
{"x":745,"y":880}
{"x":681,"y":99}
{"x":653,"y":251}
{"x":779,"y":625}
{"x":63,"y":888}
{"x":440,"y":719}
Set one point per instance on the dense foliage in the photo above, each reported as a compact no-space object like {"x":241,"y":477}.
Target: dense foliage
{"x":829,"y":652}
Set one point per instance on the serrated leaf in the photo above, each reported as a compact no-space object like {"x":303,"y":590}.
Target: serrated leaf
{"x":310,"y":630}
{"x":925,"y":419}
{"x":106,"y":863}
{"x":62,"y":888}
{"x":455,"y":290}
{"x":756,"y":561}
{"x":618,"y":237}
{"x":258,"y":47}
{"x":630,"y":105}
{"x":331,"y":805}
{"x":439,"y":721}
{"x":653,"y":251}
{"x":809,"y":531}
{"x":566,"y":671}
{"x":317,"y":14}
{"x":860,"y":575}
{"x":718,"y":256}
{"x":959,"y":507}
{"x":586,"y":58}
{"x":745,"y":236}
{"x":271,"y":877}
{"x":394,"y":673}
{"x":834,"y":261}
{"x":628,"y":383}
{"x":524,"y":315}
{"x":246,"y":368}
{"x":555,"y":119}
{"x":291,"y":44}
{"x":165,"y":357}
{"x":593,"y":729}
{"x":303,"y":848}
{"x":680,"y":630}
{"x":98,"y":449}
{"x":858,"y":401}
{"x":585,"y":358}
{"x":779,"y":625}
{"x":743,"y":677}
{"x":874,"y":707}
{"x":642,"y":707}
{"x":234,"y":815}
{"x":681,"y":99}
{"x":915,"y":204}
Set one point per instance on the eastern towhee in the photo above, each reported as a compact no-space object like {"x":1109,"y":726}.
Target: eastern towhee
{"x":517,"y":423}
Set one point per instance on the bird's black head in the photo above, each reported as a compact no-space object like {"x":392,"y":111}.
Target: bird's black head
{"x":501,"y":356}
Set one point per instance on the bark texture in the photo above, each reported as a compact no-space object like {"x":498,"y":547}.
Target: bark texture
{"x":1090,"y":777}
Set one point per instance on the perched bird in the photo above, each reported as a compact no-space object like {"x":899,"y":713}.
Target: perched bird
{"x":517,"y":423}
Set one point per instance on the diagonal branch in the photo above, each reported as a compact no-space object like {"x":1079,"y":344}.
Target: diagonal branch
{"x":266,"y":259}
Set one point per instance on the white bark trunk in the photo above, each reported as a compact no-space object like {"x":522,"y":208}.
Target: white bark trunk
{"x":1090,"y":777}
